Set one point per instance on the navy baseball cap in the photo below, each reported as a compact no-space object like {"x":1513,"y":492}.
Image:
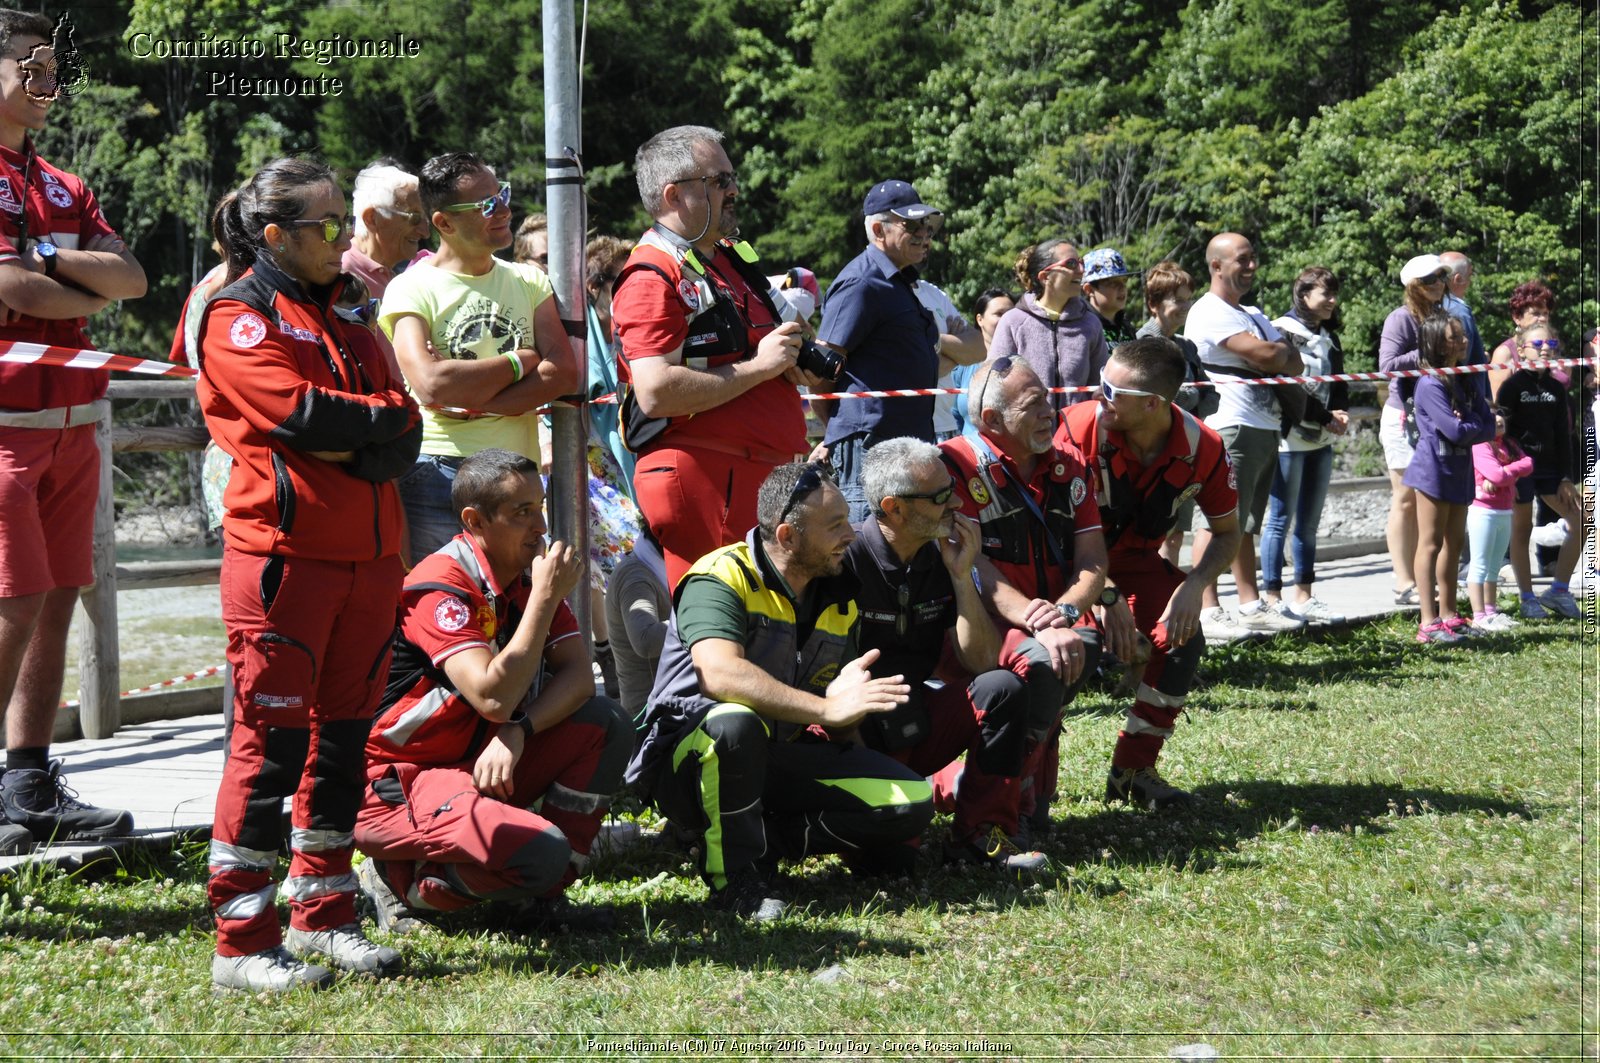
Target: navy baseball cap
{"x":897,"y":198}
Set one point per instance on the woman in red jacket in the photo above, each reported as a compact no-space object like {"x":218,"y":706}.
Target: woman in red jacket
{"x":318,"y":426}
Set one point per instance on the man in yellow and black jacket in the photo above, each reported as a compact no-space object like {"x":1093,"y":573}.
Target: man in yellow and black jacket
{"x":748,"y":738}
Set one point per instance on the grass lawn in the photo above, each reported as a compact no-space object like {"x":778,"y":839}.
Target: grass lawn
{"x":1394,"y":859}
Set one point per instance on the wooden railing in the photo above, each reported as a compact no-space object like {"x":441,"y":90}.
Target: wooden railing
{"x":101,"y":708}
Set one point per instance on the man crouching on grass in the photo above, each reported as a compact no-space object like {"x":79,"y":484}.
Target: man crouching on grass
{"x":490,"y":712}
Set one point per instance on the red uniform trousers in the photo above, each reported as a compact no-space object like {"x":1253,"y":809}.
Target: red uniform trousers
{"x":1149,"y":581}
{"x":438,"y":839}
{"x":309,"y":643}
{"x":990,"y":794}
{"x":696,"y":500}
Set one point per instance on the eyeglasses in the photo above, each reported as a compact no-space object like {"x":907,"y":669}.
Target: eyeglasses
{"x":1068,"y":265}
{"x":810,"y":480}
{"x":1544,"y":345}
{"x":1000,"y":367}
{"x":332,"y":228}
{"x":486,"y":206}
{"x":939,"y":497}
{"x":412,"y":216}
{"x":724,"y":180}
{"x":1110,"y":392}
{"x":928,"y":226}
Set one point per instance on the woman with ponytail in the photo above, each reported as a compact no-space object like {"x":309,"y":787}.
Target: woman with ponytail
{"x":1053,"y":329}
{"x":317,"y":425}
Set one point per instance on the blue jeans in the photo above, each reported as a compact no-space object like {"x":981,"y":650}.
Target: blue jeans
{"x":1299,"y":488}
{"x":425,"y":492}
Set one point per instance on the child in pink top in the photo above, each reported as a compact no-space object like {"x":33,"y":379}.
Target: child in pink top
{"x":1496,"y":466}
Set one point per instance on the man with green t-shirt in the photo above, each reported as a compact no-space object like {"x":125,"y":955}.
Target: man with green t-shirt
{"x":479,"y":340}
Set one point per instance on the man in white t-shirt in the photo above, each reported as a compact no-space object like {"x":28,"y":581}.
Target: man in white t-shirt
{"x":1238,"y":341}
{"x":969,"y":352}
{"x":479,"y":340}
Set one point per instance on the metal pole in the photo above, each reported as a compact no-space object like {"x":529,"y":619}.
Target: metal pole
{"x":564,"y":203}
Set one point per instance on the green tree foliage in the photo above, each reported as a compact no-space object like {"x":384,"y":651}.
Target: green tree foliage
{"x":1473,"y":145}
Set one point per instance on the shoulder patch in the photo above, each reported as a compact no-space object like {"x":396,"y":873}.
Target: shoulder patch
{"x":56,"y":193}
{"x":8,"y":195}
{"x":1233,"y":476}
{"x":979,"y":493}
{"x":451,"y":614}
{"x":689,"y":293}
{"x":248,"y":330}
{"x":1078,"y":491}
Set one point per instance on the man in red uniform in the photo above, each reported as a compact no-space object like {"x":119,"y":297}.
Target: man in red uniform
{"x":708,"y":361}
{"x":490,"y":712}
{"x":1149,"y":457}
{"x":60,"y":261}
{"x":1041,"y":533}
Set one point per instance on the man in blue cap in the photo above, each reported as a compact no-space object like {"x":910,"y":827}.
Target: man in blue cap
{"x":873,"y":316}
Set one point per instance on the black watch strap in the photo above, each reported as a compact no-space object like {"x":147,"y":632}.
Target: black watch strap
{"x":1109,"y":595}
{"x":520,"y":718}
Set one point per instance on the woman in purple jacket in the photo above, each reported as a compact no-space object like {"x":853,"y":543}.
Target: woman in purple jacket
{"x":1424,"y":280}
{"x":1452,"y":415}
{"x":1053,"y":329}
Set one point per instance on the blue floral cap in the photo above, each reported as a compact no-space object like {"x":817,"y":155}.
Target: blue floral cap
{"x":1102,"y":264}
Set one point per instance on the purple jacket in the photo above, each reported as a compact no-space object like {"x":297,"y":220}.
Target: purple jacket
{"x":1070,"y":350}
{"x":1397,"y":349}
{"x":1441,"y":468}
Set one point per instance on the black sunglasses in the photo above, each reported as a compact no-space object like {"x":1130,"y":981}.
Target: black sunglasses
{"x":810,"y":479}
{"x":939,"y":497}
{"x":1000,"y":367}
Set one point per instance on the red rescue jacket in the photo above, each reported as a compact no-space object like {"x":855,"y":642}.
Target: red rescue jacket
{"x":283,"y":376}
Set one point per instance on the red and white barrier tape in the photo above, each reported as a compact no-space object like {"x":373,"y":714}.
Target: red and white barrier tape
{"x":203,"y":673}
{"x":72,"y":358}
{"x":20,"y":353}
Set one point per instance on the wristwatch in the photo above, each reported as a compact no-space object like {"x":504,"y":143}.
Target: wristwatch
{"x":1070,"y":611}
{"x":1109,"y":595}
{"x":520,"y":718}
{"x":47,"y":255}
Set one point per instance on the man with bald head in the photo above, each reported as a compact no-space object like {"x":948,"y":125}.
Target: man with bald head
{"x":1455,"y":303}
{"x":1236,"y":340}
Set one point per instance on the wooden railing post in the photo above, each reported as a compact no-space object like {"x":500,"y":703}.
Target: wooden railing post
{"x":99,"y":665}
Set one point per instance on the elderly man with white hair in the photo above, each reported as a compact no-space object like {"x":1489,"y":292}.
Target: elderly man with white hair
{"x":389,"y":225}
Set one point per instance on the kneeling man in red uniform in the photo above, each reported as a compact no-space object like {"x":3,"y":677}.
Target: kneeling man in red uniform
{"x":492,"y":760}
{"x":1149,"y":457}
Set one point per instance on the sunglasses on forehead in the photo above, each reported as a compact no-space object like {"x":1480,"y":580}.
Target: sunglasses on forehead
{"x":486,"y":206}
{"x":810,"y":480}
{"x":1000,"y":367}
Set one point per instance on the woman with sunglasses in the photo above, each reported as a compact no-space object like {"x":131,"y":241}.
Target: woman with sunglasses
{"x":318,"y":426}
{"x":1053,"y":329}
{"x":1423,"y":278}
{"x":1539,"y":419}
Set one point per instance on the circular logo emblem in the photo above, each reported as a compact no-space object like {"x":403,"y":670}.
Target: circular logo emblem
{"x":248,"y":330}
{"x":689,"y":293}
{"x":1078,"y":491}
{"x":979,"y":493}
{"x":451,"y":614}
{"x":58,"y":195}
{"x":1233,"y":477}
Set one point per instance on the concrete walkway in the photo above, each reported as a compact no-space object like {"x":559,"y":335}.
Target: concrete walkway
{"x":167,"y":772}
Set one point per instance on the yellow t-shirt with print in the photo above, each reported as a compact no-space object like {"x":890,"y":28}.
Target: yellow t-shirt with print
{"x":472,"y":317}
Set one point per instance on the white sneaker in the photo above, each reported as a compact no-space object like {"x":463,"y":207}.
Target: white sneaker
{"x":1265,"y":618}
{"x":1496,"y":622}
{"x":1217,"y":624}
{"x":271,"y":970}
{"x":346,"y":947}
{"x":1552,"y":534}
{"x":1311,"y":611}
